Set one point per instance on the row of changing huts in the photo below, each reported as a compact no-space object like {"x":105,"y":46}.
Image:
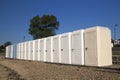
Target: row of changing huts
{"x":90,"y":47}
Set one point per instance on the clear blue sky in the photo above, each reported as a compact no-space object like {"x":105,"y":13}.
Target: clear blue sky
{"x":15,"y":15}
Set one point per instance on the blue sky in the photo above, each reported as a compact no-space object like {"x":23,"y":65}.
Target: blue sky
{"x":15,"y":16}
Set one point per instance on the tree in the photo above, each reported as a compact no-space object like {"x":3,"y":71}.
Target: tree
{"x":7,"y":44}
{"x":44,"y":26}
{"x":3,"y":47}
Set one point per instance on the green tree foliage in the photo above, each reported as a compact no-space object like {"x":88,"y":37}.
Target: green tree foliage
{"x":7,"y":43}
{"x":2,"y":47}
{"x":44,"y":26}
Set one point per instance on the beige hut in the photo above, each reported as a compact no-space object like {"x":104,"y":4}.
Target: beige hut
{"x":98,"y":46}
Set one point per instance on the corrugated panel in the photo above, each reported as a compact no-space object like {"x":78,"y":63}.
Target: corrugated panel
{"x":56,"y":49}
{"x":42,"y":50}
{"x":11,"y":55}
{"x":10,"y":51}
{"x":23,"y":50}
{"x":48,"y":49}
{"x":26,"y":50}
{"x":104,"y":47}
{"x":66,"y":48}
{"x":77,"y":44}
{"x":31,"y":50}
{"x":7,"y":52}
{"x":36,"y":50}
{"x":14,"y":51}
{"x":91,"y":47}
{"x":18,"y":51}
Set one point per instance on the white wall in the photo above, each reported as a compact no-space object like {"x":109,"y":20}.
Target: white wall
{"x":81,"y":47}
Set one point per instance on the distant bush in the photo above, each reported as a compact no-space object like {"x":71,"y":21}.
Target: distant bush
{"x":116,"y":45}
{"x":3,"y":47}
{"x":2,"y":51}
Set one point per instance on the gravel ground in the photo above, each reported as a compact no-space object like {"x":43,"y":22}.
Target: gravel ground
{"x":34,"y":70}
{"x":8,"y":74}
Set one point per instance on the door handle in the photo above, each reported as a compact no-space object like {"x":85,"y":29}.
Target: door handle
{"x":86,"y":49}
{"x":72,"y":49}
{"x":61,"y":49}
